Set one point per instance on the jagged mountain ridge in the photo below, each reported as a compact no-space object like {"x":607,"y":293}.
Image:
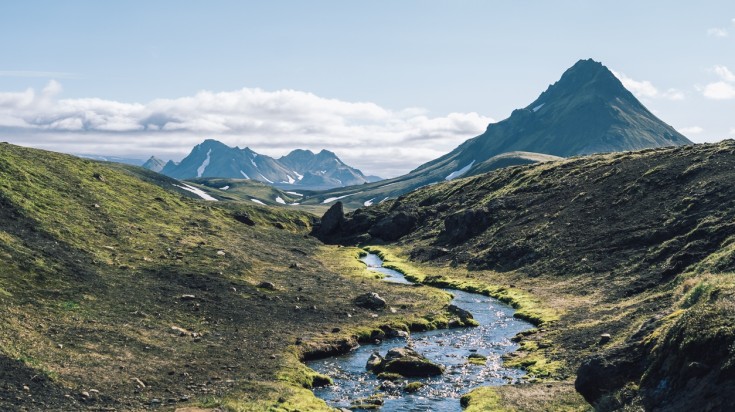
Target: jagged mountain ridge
{"x":300,"y":168}
{"x":587,"y":111}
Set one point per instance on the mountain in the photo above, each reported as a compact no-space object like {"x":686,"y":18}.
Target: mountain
{"x":626,"y":261}
{"x":119,"y":291}
{"x":587,"y":111}
{"x":300,"y":169}
{"x":155,"y":164}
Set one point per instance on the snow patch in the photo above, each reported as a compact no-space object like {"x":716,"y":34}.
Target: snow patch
{"x":457,"y":173}
{"x":294,"y":204}
{"x":290,"y":180}
{"x":368,"y":202}
{"x":332,"y":199}
{"x":535,"y":109}
{"x":295,"y":194}
{"x":224,"y":187}
{"x":254,"y":165}
{"x":244,"y":174}
{"x":280,"y":200}
{"x":298,"y":176}
{"x":197,"y":191}
{"x":265,"y":178}
{"x":204,"y":165}
{"x":384,"y":200}
{"x":257,"y":201}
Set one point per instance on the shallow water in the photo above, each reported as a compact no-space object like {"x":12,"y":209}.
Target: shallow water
{"x":448,"y":347}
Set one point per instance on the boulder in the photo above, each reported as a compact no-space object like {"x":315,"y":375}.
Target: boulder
{"x":463,"y":225}
{"x":331,"y":222}
{"x":373,"y":362}
{"x":370,"y":300}
{"x":407,"y":362}
{"x":394,"y":226}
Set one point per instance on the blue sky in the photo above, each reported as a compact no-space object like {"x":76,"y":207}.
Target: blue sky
{"x":359,"y":78}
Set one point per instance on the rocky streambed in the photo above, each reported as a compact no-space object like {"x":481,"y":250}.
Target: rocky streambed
{"x":446,"y":363}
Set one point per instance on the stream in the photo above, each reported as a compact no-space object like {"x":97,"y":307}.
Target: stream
{"x":448,"y":347}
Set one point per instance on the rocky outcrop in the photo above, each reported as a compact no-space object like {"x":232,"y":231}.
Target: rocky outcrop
{"x":370,"y":300}
{"x":463,"y":225}
{"x":331,"y":222}
{"x":394,"y":226}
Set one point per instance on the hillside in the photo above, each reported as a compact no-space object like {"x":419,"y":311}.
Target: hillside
{"x":122,"y":291}
{"x":587,"y":111}
{"x":626,"y":261}
{"x":300,"y":169}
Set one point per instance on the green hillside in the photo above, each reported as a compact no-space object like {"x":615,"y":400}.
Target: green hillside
{"x":625,"y":261}
{"x":120,"y":291}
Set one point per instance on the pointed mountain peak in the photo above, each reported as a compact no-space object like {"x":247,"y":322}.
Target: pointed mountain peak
{"x":587,"y":77}
{"x":211,"y":144}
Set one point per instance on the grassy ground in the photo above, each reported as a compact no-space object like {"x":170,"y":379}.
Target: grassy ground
{"x":119,"y":291}
{"x":624,"y":261}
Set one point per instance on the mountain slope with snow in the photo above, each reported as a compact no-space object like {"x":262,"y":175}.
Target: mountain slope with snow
{"x":300,"y":169}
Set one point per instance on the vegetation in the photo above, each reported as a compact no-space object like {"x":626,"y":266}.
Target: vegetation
{"x":120,"y":290}
{"x":624,"y":261}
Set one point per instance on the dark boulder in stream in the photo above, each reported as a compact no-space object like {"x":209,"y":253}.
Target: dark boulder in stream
{"x":405,"y":362}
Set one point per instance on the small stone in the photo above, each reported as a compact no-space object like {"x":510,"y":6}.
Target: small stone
{"x":60,"y":346}
{"x":94,"y":392}
{"x":188,"y":297}
{"x":26,"y":388}
{"x":221,"y":253}
{"x":605,"y":338}
{"x":370,"y":300}
{"x":139,"y":383}
{"x":155,"y":401}
{"x":84,"y":394}
{"x":267,"y":285}
{"x":336,"y":330}
{"x":273,"y":356}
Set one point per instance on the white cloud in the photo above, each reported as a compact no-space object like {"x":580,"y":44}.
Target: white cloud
{"x":691,"y":130}
{"x":646,"y":89}
{"x":724,"y":73}
{"x":717,"y":32}
{"x":364,"y":134}
{"x":719,"y":91}
{"x":723,"y":89}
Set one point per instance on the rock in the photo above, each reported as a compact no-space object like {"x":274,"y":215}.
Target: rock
{"x":180,"y":331}
{"x":394,"y":226}
{"x":267,"y":285}
{"x":331,"y":222}
{"x":84,"y":394}
{"x":413,"y":387}
{"x":463,"y":225}
{"x":407,"y":362}
{"x":373,"y":362}
{"x":461,"y":313}
{"x":243,"y":217}
{"x":139,"y":383}
{"x":336,"y":330}
{"x":370,"y":300}
{"x":98,"y":177}
{"x":605,"y":338}
{"x":26,"y":388}
{"x":221,"y":253}
{"x":188,"y":297}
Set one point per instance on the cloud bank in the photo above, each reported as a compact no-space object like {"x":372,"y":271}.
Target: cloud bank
{"x":364,"y":134}
{"x":645,"y":89}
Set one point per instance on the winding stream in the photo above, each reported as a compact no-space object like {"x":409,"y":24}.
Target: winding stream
{"x":449,"y":347}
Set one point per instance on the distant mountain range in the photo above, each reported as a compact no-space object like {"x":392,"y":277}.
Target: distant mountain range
{"x":587,"y":111}
{"x":301,"y":169}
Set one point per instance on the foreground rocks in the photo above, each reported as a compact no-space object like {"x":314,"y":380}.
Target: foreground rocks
{"x":405,"y":362}
{"x":370,"y":300}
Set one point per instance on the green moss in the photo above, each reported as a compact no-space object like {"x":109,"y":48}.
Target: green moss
{"x":413,"y":387}
{"x":390,"y":376}
{"x":482,"y":399}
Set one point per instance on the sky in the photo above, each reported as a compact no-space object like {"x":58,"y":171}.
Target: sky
{"x":386,"y":85}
